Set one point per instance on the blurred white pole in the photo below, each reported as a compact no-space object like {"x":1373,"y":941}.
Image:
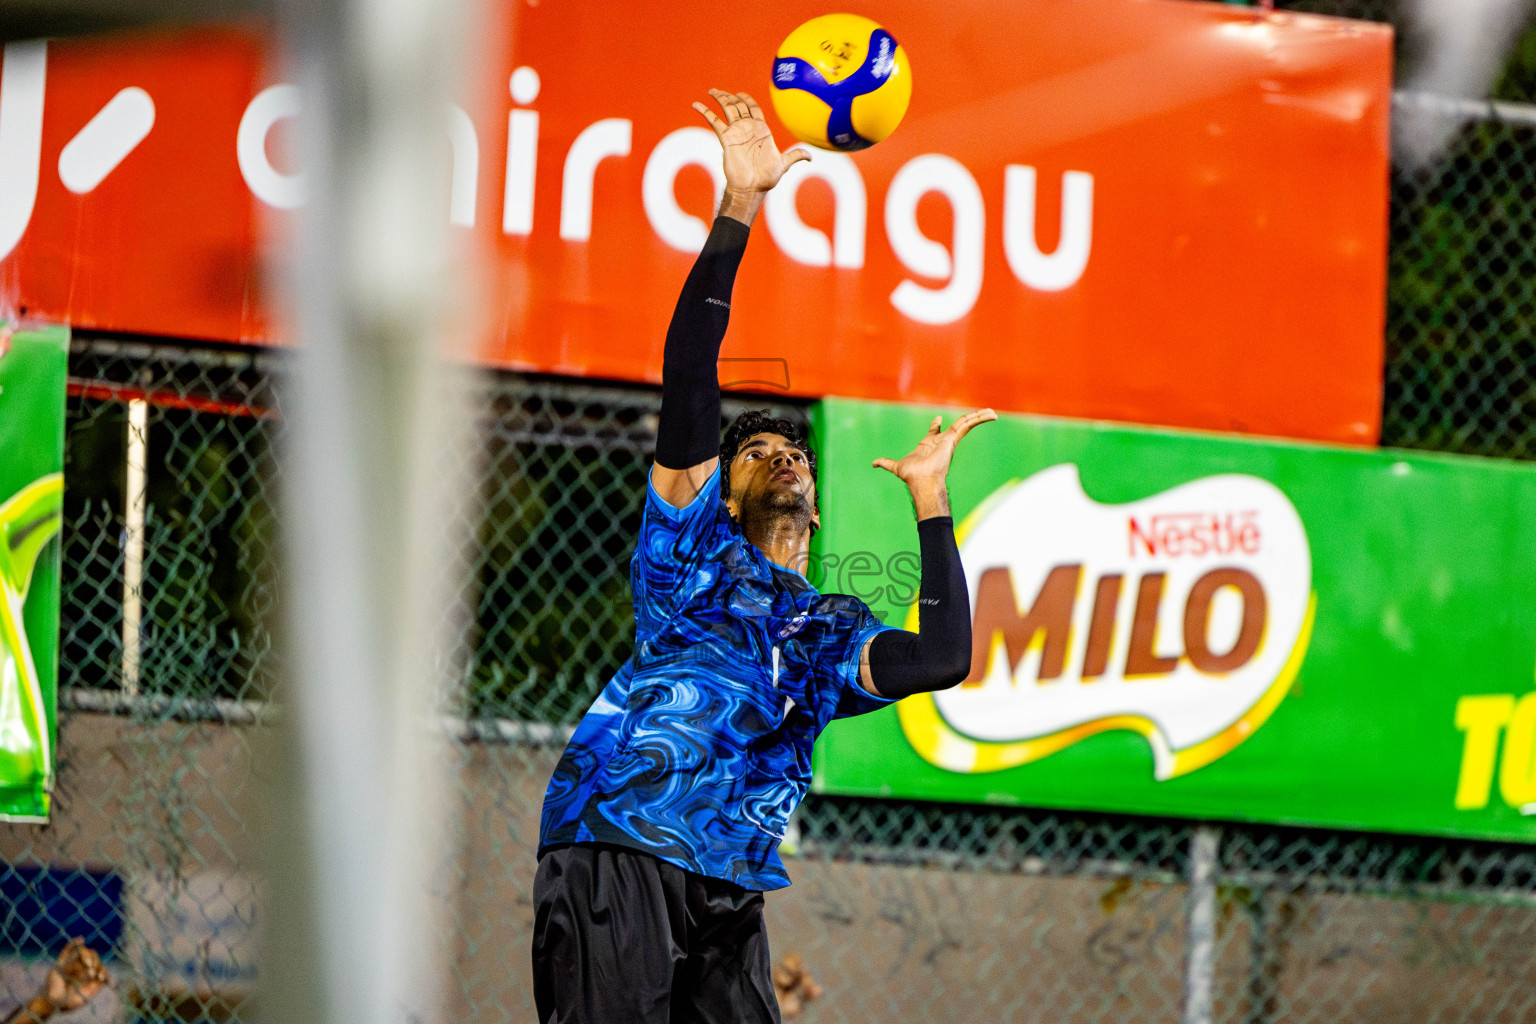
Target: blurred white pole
{"x":354,"y":935}
{"x":135,"y":503}
{"x":1465,"y":43}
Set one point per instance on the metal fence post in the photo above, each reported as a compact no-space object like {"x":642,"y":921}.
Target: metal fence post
{"x":133,"y":542}
{"x":1200,"y":943}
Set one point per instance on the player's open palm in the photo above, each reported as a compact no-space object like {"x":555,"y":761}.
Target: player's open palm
{"x":753,"y":162}
{"x":930,"y":459}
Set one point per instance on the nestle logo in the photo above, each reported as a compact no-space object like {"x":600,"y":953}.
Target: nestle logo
{"x":1211,"y":644}
{"x":1173,"y":534}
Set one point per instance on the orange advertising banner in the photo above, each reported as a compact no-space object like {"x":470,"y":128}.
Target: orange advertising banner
{"x":122,"y":202}
{"x":1155,"y":211}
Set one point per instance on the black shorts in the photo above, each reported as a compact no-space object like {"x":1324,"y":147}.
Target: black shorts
{"x":620,"y":937}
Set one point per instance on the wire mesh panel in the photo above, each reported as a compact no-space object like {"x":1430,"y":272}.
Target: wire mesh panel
{"x":1326,"y":927}
{"x":210,"y":528}
{"x":1461,"y":296}
{"x":939,"y":913}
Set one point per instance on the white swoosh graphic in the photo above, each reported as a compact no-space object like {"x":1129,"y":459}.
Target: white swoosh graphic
{"x":21,"y":137}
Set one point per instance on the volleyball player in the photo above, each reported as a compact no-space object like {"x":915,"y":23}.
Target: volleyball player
{"x":662,"y":821}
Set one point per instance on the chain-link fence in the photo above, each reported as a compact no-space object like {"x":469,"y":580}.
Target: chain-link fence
{"x":908,"y":910}
{"x":1461,"y":294}
{"x":903,"y":910}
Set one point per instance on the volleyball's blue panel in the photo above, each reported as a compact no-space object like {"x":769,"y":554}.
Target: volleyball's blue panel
{"x":699,"y":747}
{"x":880,"y":61}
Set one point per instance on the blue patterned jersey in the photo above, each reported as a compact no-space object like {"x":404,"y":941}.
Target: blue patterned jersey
{"x":699,"y":747}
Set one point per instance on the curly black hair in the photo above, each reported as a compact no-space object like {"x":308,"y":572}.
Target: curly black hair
{"x":747,"y":426}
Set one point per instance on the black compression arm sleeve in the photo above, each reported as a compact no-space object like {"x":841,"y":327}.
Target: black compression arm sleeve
{"x":938,"y":655}
{"x":689,"y":432}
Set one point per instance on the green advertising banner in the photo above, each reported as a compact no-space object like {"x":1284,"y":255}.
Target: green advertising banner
{"x":33,"y":371}
{"x":1181,"y":624}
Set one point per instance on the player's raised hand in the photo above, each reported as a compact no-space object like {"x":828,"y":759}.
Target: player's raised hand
{"x":753,"y":162}
{"x":75,"y":977}
{"x":930,"y":459}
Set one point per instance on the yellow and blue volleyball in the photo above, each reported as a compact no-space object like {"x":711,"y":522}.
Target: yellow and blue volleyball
{"x":841,"y":82}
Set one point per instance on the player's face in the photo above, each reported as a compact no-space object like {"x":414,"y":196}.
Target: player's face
{"x":770,"y":474}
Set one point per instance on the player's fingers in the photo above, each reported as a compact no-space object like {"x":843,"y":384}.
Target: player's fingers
{"x":709,"y":115}
{"x":963,"y":425}
{"x":886,"y":464}
{"x":792,"y":157}
{"x":752,"y":107}
{"x":727,"y":101}
{"x":933,"y":428}
{"x":739,"y":108}
{"x":724,"y":99}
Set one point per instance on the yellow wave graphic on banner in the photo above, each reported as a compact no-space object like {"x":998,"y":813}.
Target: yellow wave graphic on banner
{"x":28,"y":520}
